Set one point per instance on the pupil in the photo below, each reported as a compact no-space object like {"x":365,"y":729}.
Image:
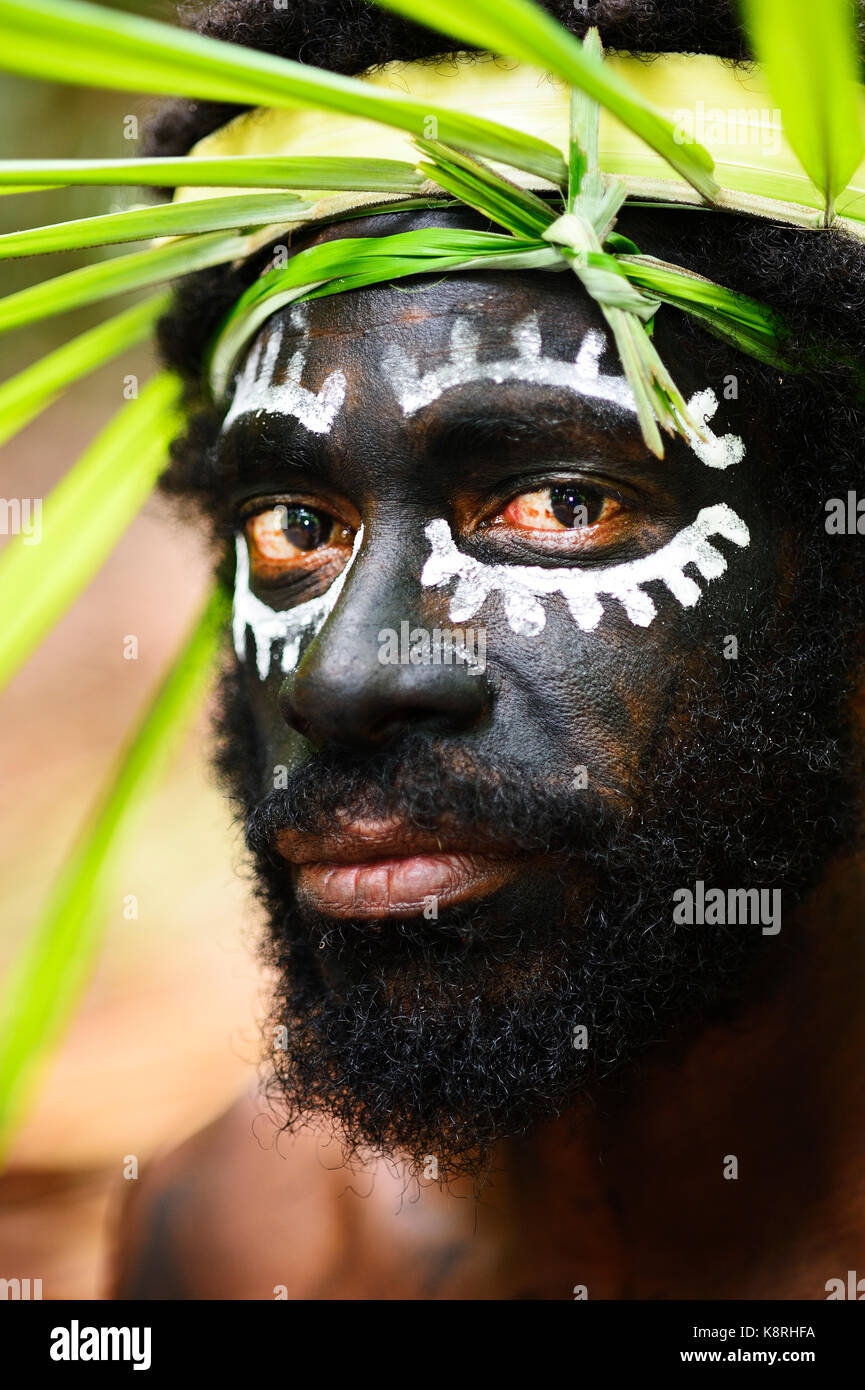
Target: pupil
{"x":304,"y":528}
{"x":573,"y":507}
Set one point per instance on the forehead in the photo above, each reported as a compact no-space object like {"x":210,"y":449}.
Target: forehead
{"x":519,"y":348}
{"x":348,"y":364}
{"x":423,"y":309}
{"x":471,"y":321}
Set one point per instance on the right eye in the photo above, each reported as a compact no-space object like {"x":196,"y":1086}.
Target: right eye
{"x":290,"y":540}
{"x":287,"y":531}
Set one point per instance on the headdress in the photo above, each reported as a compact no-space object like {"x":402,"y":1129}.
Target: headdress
{"x":539,"y":132}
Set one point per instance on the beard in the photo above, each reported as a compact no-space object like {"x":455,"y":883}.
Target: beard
{"x":441,"y":1038}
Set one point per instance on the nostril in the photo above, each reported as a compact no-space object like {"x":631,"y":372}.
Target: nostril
{"x":299,"y":715}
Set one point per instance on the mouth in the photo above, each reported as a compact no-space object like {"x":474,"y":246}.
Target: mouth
{"x":380,"y":870}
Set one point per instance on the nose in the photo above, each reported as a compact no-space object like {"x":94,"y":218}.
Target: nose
{"x":344,"y":693}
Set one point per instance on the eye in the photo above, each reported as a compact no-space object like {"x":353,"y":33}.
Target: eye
{"x":287,"y":531}
{"x":296,"y":541}
{"x":559,"y":507}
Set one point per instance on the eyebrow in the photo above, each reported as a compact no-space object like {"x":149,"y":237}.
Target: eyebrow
{"x":594,"y":427}
{"x":251,"y":449}
{"x":251,"y":454}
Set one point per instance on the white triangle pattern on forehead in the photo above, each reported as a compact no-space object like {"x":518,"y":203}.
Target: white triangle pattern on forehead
{"x":583,"y":376}
{"x":257,"y":391}
{"x":414,"y":389}
{"x":522,"y":585}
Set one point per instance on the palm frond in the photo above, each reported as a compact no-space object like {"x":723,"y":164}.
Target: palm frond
{"x":83,"y":44}
{"x":480,"y":187}
{"x":520,"y":29}
{"x":47,"y":977}
{"x":750,"y":326}
{"x":160,"y":220}
{"x":239,"y":171}
{"x":593,"y":203}
{"x":810,"y":57}
{"x":23,"y":396}
{"x":83,"y":518}
{"x":103,"y":280}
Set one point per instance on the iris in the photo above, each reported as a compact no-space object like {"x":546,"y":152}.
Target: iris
{"x":573,"y":507}
{"x":304,"y":528}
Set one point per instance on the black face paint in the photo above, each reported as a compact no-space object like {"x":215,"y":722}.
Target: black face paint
{"x":608,"y":766}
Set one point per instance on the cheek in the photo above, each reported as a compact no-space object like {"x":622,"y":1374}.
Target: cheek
{"x":590,"y":593}
{"x":279,"y":747}
{"x":269,"y":638}
{"x":602,"y":698}
{"x":589,"y":660}
{"x":596,"y":700}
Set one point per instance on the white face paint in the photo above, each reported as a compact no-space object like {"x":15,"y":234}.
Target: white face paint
{"x":521,"y":585}
{"x":718,"y":451}
{"x":583,"y":376}
{"x":256,"y":390}
{"x":289,"y":626}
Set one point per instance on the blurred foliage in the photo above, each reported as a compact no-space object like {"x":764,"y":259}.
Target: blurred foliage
{"x":41,"y":120}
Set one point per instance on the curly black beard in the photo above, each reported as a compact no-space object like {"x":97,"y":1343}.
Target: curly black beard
{"x":445,"y":1037}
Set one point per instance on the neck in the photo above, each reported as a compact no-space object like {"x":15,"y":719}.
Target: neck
{"x":636,"y":1197}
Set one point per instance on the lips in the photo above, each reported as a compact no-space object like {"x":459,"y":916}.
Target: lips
{"x":380,"y":870}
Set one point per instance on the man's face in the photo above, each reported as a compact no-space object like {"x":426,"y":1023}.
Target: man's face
{"x":469,"y":847}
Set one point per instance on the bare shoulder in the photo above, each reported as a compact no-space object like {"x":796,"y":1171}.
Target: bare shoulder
{"x":244,"y":1211}
{"x":239,"y":1210}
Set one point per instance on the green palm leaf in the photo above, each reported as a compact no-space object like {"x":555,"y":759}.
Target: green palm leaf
{"x":47,"y":977}
{"x":239,"y":171}
{"x":163,"y":219}
{"x":810,"y":56}
{"x":475,"y":183}
{"x":136,"y":270}
{"x":71,"y":41}
{"x":743,"y":321}
{"x":520,"y":29}
{"x":23,"y":396}
{"x":83,"y":518}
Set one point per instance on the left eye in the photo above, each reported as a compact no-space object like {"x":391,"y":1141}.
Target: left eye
{"x":561,"y":507}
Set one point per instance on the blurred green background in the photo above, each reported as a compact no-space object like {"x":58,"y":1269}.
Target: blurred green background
{"x":166,"y":1033}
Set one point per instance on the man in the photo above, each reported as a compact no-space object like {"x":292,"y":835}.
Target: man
{"x":563,"y":905}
